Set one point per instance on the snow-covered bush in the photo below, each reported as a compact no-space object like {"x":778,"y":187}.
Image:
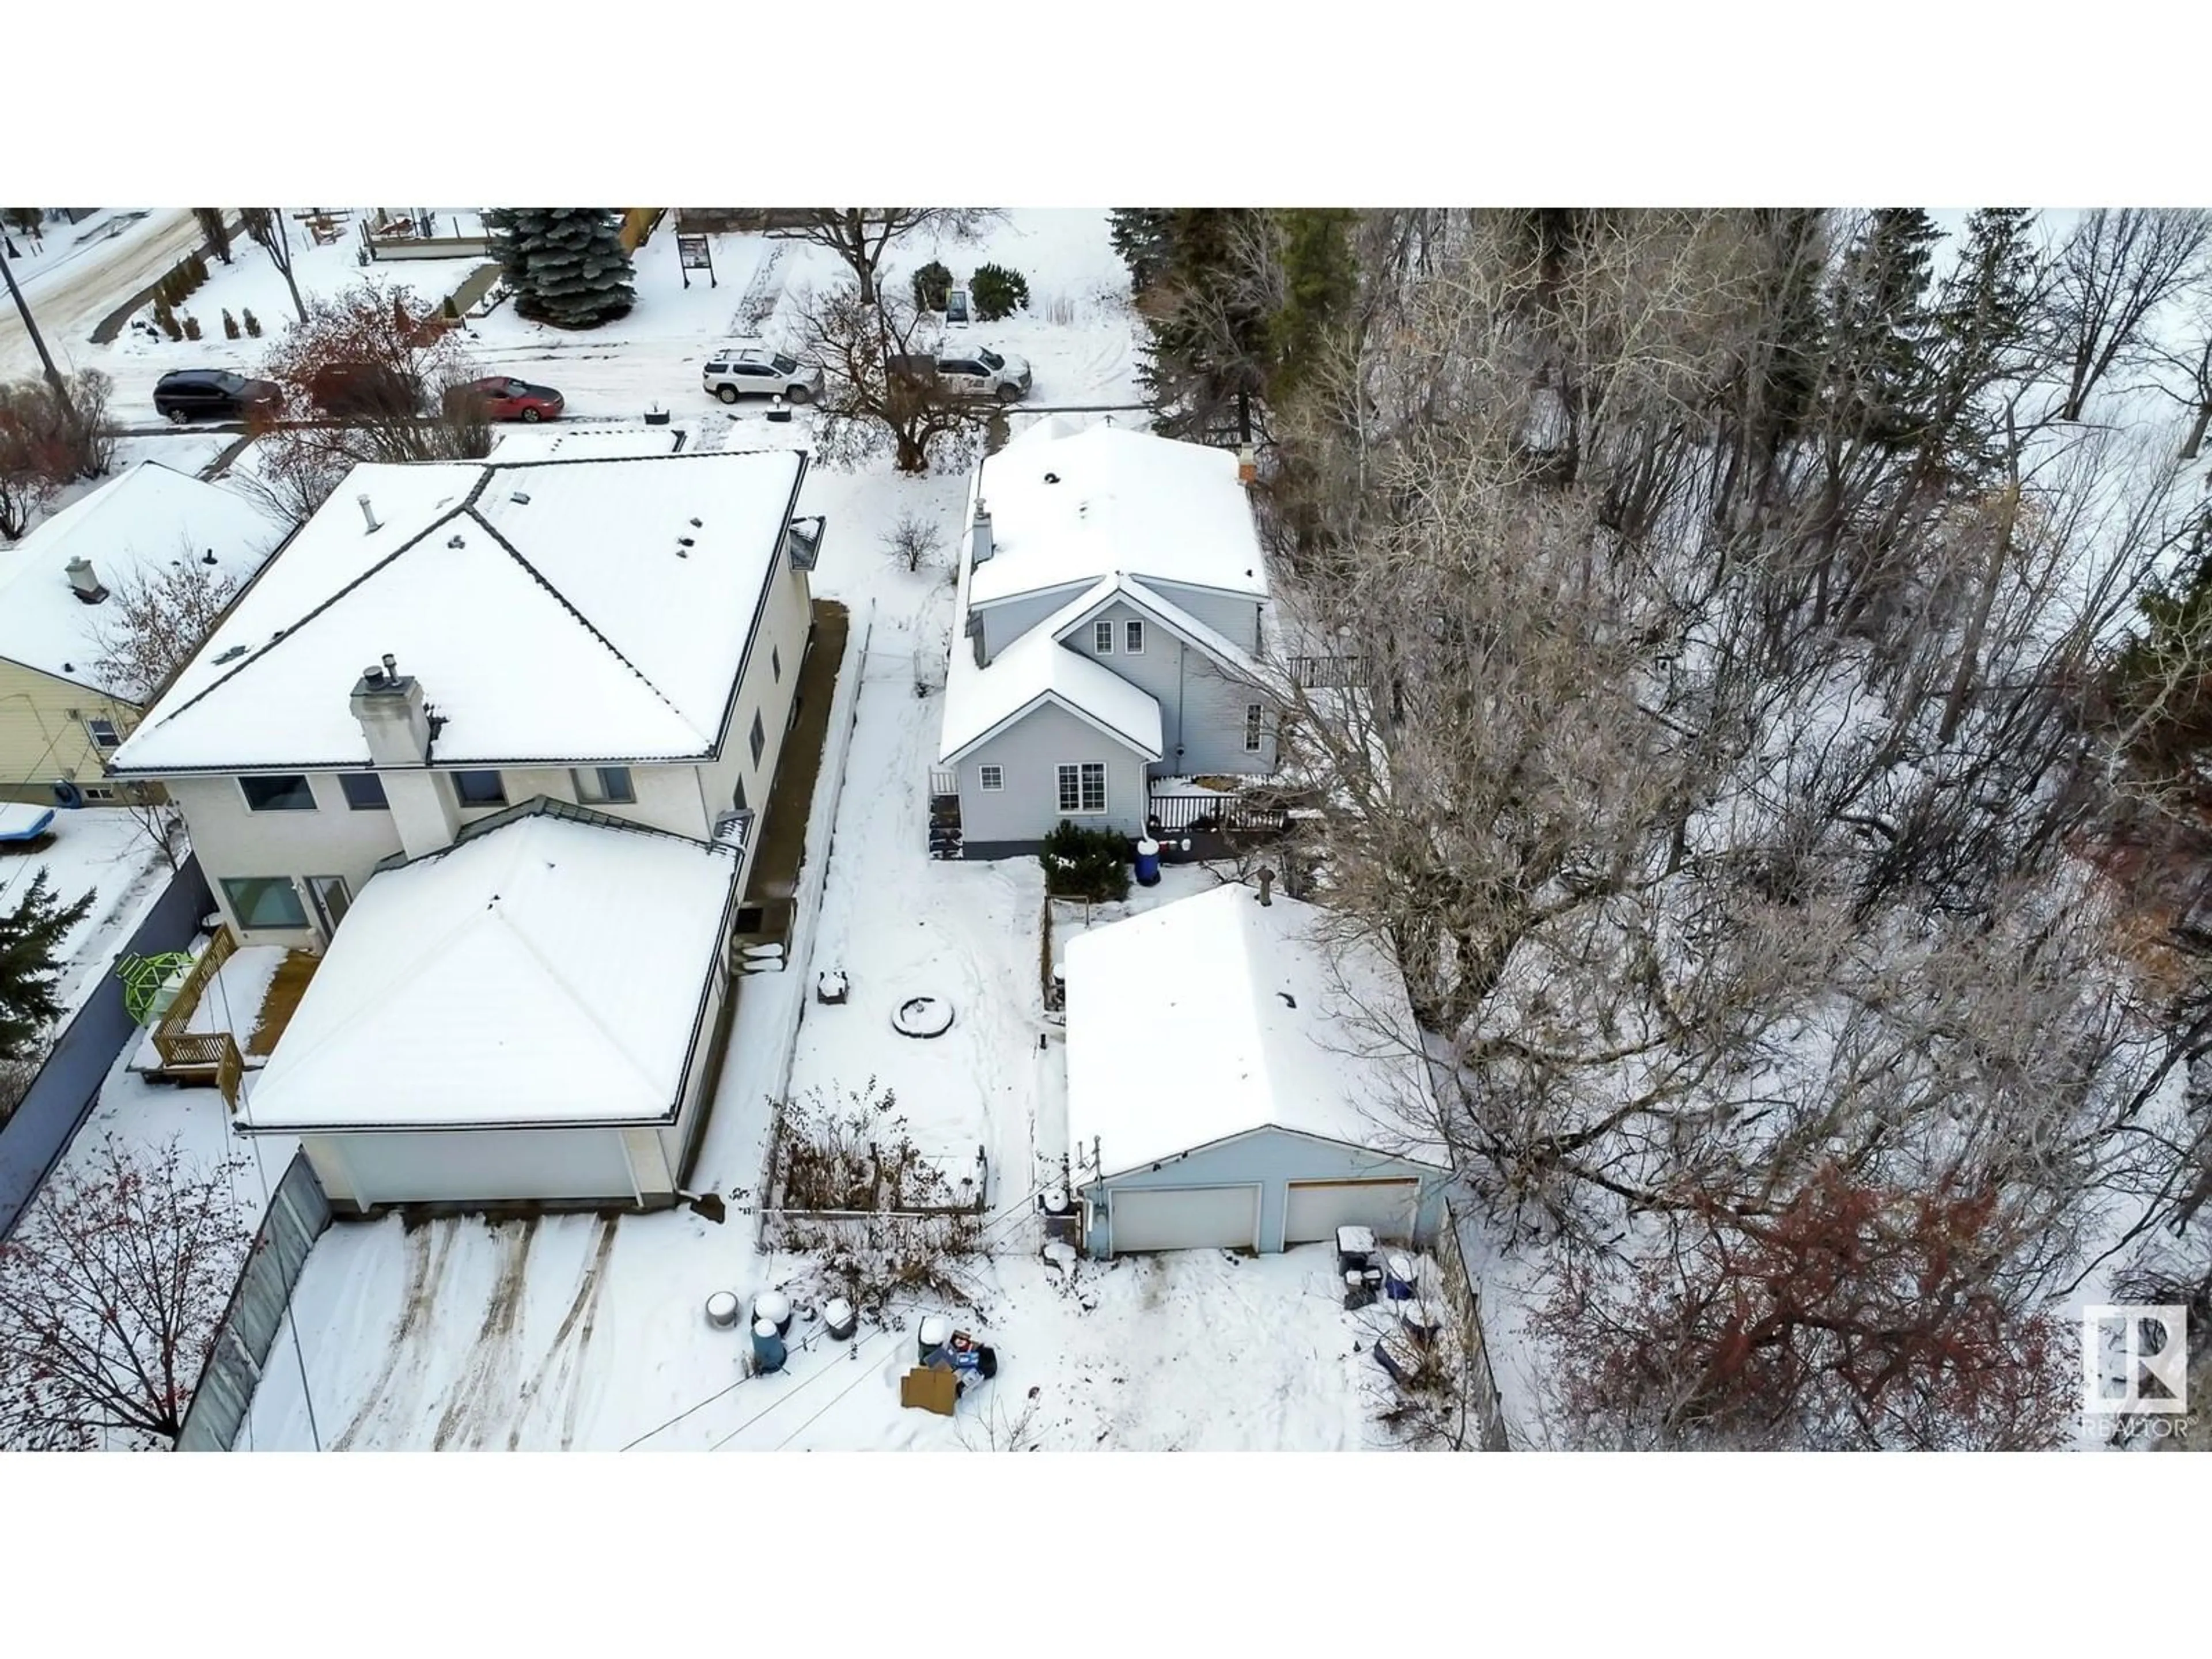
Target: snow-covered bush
{"x":1085,"y":864}
{"x":931,"y":284}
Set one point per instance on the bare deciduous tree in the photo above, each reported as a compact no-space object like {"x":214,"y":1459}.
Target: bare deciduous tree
{"x":401,"y":372}
{"x":2116,"y":268}
{"x":110,"y":1289}
{"x":862,"y":237}
{"x":216,"y":228}
{"x":48,"y":441}
{"x":151,"y":624}
{"x":877,"y":393}
{"x":266,"y":227}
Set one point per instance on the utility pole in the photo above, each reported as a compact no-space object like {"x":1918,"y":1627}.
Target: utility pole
{"x":53,"y":376}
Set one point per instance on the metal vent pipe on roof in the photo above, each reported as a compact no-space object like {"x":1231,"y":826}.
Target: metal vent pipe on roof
{"x":369,"y":514}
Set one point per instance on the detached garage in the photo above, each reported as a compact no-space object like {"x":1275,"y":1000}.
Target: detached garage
{"x":1237,"y":1081}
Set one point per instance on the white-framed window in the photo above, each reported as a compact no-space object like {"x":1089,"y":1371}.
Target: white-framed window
{"x":991,"y":778}
{"x":1254,"y":715}
{"x":103,"y":734}
{"x":1132,"y":637}
{"x":1102,"y":637}
{"x":601,"y":785}
{"x":1083,"y":787}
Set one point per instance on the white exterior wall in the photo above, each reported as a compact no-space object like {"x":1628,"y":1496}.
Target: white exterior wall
{"x":783,"y":629}
{"x":1031,"y":752}
{"x":491,"y":1165}
{"x":233,"y":841}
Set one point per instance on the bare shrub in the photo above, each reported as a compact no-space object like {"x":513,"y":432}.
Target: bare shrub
{"x":913,"y":541}
{"x":855,"y":1153}
{"x":874,"y":1261}
{"x":153,"y":622}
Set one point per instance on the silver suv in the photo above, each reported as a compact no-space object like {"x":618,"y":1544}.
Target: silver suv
{"x":757,"y":371}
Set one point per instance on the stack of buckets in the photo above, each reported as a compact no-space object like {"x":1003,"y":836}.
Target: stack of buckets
{"x":771,"y":1324}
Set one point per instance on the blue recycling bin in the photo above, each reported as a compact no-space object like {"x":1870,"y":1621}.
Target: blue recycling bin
{"x":1148,"y":863}
{"x":767,"y":1346}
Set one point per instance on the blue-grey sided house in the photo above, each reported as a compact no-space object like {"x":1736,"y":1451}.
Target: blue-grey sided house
{"x":1110,"y":630}
{"x":1242,"y":1077}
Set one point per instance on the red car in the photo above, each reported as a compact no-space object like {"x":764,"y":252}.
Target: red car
{"x":506,"y":399}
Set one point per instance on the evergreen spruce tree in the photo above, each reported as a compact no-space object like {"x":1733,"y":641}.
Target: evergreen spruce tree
{"x":1986,"y":331}
{"x":1206,"y":364}
{"x":1880,"y":326}
{"x":30,"y":938}
{"x":1319,"y":282}
{"x":567,"y":266}
{"x":1140,"y":237}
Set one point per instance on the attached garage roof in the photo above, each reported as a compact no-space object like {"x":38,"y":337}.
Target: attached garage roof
{"x":1216,"y":1015}
{"x":548,"y":971}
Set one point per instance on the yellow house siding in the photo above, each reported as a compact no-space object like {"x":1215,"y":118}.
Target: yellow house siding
{"x":42,"y":733}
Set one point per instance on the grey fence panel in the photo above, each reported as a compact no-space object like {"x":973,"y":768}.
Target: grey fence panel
{"x":1487,"y":1405}
{"x":298,"y":1214}
{"x":62,"y":1096}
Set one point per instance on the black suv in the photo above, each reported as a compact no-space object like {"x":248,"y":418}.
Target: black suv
{"x":204,"y":394}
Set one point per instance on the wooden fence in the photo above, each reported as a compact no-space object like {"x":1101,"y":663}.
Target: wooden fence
{"x":1477,"y":1380}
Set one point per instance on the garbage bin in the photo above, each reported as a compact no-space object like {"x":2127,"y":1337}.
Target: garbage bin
{"x":1148,"y":863}
{"x":936,"y":1332}
{"x":722,"y":1309}
{"x":774,"y":1307}
{"x":839,"y":1319}
{"x":767,"y":1346}
{"x":1398,"y":1279}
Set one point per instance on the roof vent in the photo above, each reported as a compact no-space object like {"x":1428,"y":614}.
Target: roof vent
{"x":683,"y":547}
{"x":369,"y":514}
{"x":520,"y":498}
{"x":1266,"y":881}
{"x":1052,"y":477}
{"x":456,"y":541}
{"x":696,"y":524}
{"x":209,"y":557}
{"x":372,"y":675}
{"x":685,"y":541}
{"x":391,"y":665}
{"x":981,"y":543}
{"x":231,"y":655}
{"x":84,"y":582}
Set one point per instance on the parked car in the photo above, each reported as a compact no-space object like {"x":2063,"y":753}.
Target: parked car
{"x":503,"y":398}
{"x":356,"y":389}
{"x":213,"y":394}
{"x":979,"y":373}
{"x":757,"y":371}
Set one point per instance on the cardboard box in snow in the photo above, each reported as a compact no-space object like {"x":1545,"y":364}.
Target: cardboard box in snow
{"x":931,"y":1388}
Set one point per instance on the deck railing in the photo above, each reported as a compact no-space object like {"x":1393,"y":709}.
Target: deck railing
{"x":1173,"y":814}
{"x":179,"y":1047}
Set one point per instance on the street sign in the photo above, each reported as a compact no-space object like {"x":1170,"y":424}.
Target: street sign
{"x":693,"y":253}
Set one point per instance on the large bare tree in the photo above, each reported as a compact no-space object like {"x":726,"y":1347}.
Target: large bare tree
{"x":863,"y":237}
{"x":266,"y":227}
{"x":880,"y":389}
{"x":110,"y":1289}
{"x":2115,"y":270}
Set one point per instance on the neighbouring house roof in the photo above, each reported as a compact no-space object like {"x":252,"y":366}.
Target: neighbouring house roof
{"x":550,"y":971}
{"x":1035,"y":671}
{"x":1124,"y":500}
{"x":574,"y":625}
{"x":1180,"y":1034}
{"x":563,"y":440}
{"x":138,"y":526}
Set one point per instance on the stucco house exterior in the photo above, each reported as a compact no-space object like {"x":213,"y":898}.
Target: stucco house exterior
{"x":63,"y":710}
{"x":1240,"y":1078}
{"x":522,"y":717}
{"x":1111,"y":620}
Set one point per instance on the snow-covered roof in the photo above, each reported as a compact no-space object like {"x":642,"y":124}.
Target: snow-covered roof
{"x":136,"y":527}
{"x":1037,"y":669}
{"x":565,"y":440}
{"x":1122,"y":501}
{"x":546,"y":971}
{"x":1215,"y":1015}
{"x":551,"y":610}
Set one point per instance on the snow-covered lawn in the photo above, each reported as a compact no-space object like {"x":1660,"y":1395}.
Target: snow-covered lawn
{"x":104,"y":850}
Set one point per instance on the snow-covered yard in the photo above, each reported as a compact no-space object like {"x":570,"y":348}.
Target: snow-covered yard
{"x":104,"y":850}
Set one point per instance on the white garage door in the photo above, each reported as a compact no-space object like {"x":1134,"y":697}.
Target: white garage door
{"x":1316,"y":1209}
{"x":498,"y":1164}
{"x":1185,"y":1217}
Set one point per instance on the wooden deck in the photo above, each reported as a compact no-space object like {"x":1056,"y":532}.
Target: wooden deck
{"x":214,"y":1036}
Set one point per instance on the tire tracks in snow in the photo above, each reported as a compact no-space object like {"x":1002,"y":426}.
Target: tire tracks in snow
{"x":584,"y":1306}
{"x":426,"y":1265}
{"x":493,"y":1352}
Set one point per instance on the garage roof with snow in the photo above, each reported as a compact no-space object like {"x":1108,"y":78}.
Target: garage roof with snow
{"x":138,"y":528}
{"x":545,"y":971}
{"x":555,"y":611}
{"x":1215,"y":1015}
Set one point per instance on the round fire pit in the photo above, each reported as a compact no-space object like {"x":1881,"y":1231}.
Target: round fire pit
{"x":922,"y":1017}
